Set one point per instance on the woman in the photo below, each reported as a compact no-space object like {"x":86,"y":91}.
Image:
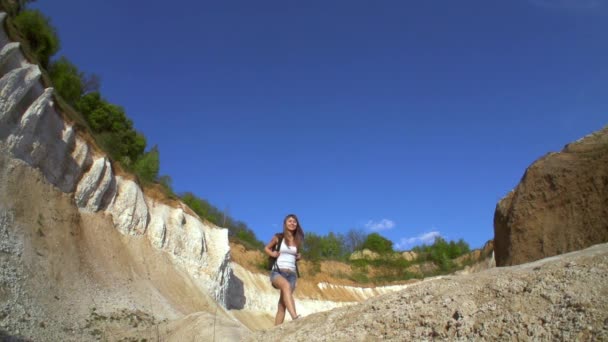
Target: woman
{"x":283,"y":274}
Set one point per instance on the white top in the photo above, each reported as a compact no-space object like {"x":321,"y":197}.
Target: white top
{"x":287,"y":258}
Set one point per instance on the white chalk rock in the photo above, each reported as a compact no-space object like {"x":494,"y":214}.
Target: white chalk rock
{"x":8,"y":53}
{"x":179,"y":234}
{"x":24,"y":138}
{"x":200,"y":249}
{"x":14,"y":86}
{"x":43,"y":140}
{"x":94,"y":185}
{"x":3,"y":37}
{"x":129,"y":210}
{"x":160,"y":214}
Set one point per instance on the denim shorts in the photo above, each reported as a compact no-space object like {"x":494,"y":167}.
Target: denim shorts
{"x":290,"y":276}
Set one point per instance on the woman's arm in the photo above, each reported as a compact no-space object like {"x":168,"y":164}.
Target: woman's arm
{"x":268,"y":249}
{"x":299,"y":254}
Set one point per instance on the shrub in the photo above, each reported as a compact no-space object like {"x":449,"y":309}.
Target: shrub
{"x":375,"y":242}
{"x":147,"y":166}
{"x":14,"y":7}
{"x":441,"y":252}
{"x":333,"y":246}
{"x":311,"y":250}
{"x":67,"y":80}
{"x":112,"y":128}
{"x":36,"y":28}
{"x":167,"y":183}
{"x":247,"y":238}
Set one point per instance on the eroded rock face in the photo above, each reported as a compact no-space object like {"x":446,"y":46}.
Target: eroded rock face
{"x":128,"y":208}
{"x":365,"y":254}
{"x":409,"y":255}
{"x":93,"y":185}
{"x":33,"y":130}
{"x":560,"y":205}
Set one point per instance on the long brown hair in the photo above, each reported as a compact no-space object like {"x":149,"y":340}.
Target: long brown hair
{"x":298,"y":235}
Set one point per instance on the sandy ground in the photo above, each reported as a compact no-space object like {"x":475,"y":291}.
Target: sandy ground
{"x":563,"y":298}
{"x":108,"y":286}
{"x":104,"y":285}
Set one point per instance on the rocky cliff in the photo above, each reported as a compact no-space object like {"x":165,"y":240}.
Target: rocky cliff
{"x":560,"y":205}
{"x":39,"y":147}
{"x":33,"y":132}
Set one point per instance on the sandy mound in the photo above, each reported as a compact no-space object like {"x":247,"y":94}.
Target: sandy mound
{"x":559,"y":298}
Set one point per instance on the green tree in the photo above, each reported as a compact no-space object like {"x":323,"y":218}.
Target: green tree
{"x":89,"y":103}
{"x":332,"y":246}
{"x":248,"y":238}
{"x":113,"y":129}
{"x":440,"y":253}
{"x":460,"y":248}
{"x":109,"y":118}
{"x":199,"y":206}
{"x":123,"y":146}
{"x":67,"y":80}
{"x":102,"y":115}
{"x":39,"y":34}
{"x":147,"y":166}
{"x":70,"y":83}
{"x":245,"y":235}
{"x":15,"y":7}
{"x":375,"y":242}
{"x":311,"y":250}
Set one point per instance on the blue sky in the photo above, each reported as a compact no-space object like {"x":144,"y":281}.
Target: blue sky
{"x":410,"y":118}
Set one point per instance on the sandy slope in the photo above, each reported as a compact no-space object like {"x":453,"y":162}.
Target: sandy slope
{"x":559,"y":298}
{"x":69,"y":275}
{"x":73,"y":277}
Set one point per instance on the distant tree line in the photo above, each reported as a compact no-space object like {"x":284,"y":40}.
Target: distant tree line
{"x":442,"y":252}
{"x":337,"y":246}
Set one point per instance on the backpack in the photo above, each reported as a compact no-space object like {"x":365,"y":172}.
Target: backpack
{"x":271,"y":260}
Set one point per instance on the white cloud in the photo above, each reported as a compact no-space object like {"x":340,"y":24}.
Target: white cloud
{"x":383,"y":224}
{"x":426,"y":238}
{"x":569,"y":4}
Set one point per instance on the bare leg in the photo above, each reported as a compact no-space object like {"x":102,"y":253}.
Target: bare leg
{"x":280,"y":317}
{"x":293,"y":302}
{"x":286,"y":299}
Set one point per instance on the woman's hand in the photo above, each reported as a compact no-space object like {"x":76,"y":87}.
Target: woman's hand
{"x":269,"y":249}
{"x":298,"y":256}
